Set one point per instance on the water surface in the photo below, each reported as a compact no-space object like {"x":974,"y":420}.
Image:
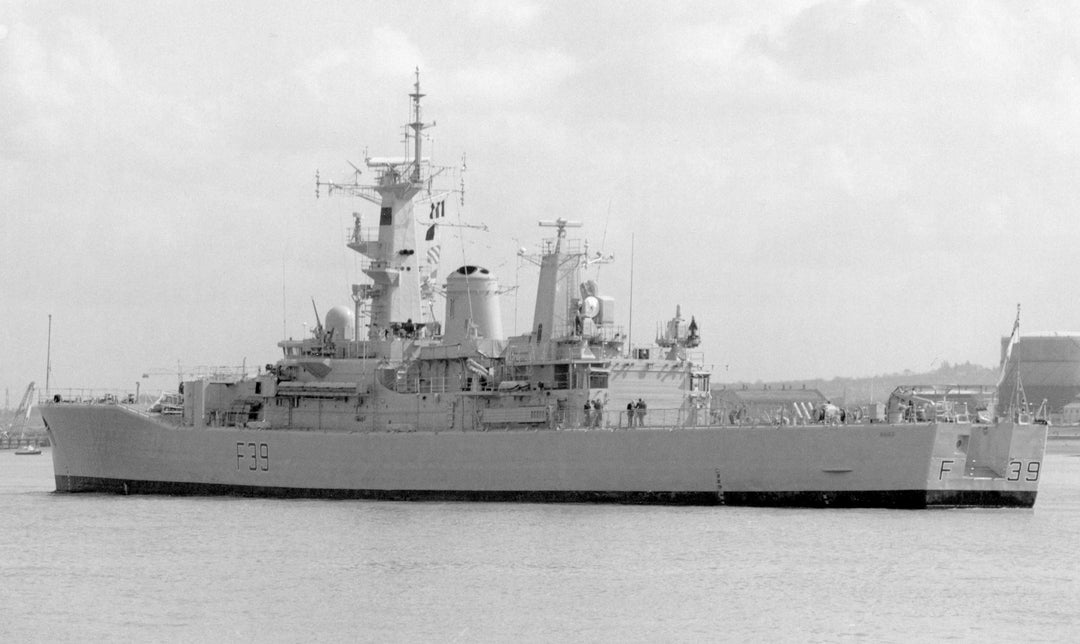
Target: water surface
{"x":98,"y":567}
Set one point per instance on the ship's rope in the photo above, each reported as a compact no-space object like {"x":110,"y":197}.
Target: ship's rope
{"x":345,"y":275}
{"x":603,"y":239}
{"x":464,"y":262}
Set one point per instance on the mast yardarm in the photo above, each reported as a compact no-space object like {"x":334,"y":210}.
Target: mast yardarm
{"x":417,"y":126}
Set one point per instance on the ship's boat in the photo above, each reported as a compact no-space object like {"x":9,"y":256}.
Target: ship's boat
{"x":385,"y":401}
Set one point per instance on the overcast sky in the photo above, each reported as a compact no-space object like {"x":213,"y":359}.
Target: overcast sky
{"x":830,"y":188}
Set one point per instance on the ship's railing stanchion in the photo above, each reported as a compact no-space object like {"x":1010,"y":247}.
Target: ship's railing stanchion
{"x":88,"y":396}
{"x":673,"y":418}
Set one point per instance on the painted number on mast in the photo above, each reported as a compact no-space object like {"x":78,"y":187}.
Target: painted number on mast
{"x":254,"y":457}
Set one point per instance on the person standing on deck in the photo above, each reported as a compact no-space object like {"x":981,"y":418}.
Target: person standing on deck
{"x":639,"y":408}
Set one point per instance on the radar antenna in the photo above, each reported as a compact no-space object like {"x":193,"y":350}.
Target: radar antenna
{"x":392,"y":171}
{"x":561,"y":224}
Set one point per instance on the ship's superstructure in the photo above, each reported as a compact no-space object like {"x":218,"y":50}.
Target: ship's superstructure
{"x":407,"y":406}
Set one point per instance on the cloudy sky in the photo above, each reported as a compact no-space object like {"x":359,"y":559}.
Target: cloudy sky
{"x":830,"y":188}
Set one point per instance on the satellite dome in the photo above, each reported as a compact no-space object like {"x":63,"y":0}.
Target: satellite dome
{"x":340,"y":323}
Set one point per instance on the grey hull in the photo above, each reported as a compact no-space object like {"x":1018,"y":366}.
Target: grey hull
{"x":109,"y":448}
{"x":896,"y":499}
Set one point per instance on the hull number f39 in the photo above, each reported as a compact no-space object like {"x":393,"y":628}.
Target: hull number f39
{"x":254,"y":457}
{"x":1029,"y":473}
{"x":1016,"y":471}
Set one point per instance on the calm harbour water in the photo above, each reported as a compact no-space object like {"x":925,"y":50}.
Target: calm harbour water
{"x":95,"y":567}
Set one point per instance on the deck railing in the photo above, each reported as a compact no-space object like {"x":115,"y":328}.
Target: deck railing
{"x":87,"y":396}
{"x":350,"y":419}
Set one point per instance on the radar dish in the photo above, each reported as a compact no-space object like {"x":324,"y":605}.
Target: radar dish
{"x":590,"y":307}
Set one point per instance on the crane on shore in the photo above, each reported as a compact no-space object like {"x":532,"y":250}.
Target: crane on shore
{"x":17,"y":426}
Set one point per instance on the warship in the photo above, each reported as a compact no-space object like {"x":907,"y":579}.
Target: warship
{"x":410,"y":407}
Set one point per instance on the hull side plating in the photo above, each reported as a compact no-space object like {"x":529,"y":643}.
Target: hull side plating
{"x":108,"y":448}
